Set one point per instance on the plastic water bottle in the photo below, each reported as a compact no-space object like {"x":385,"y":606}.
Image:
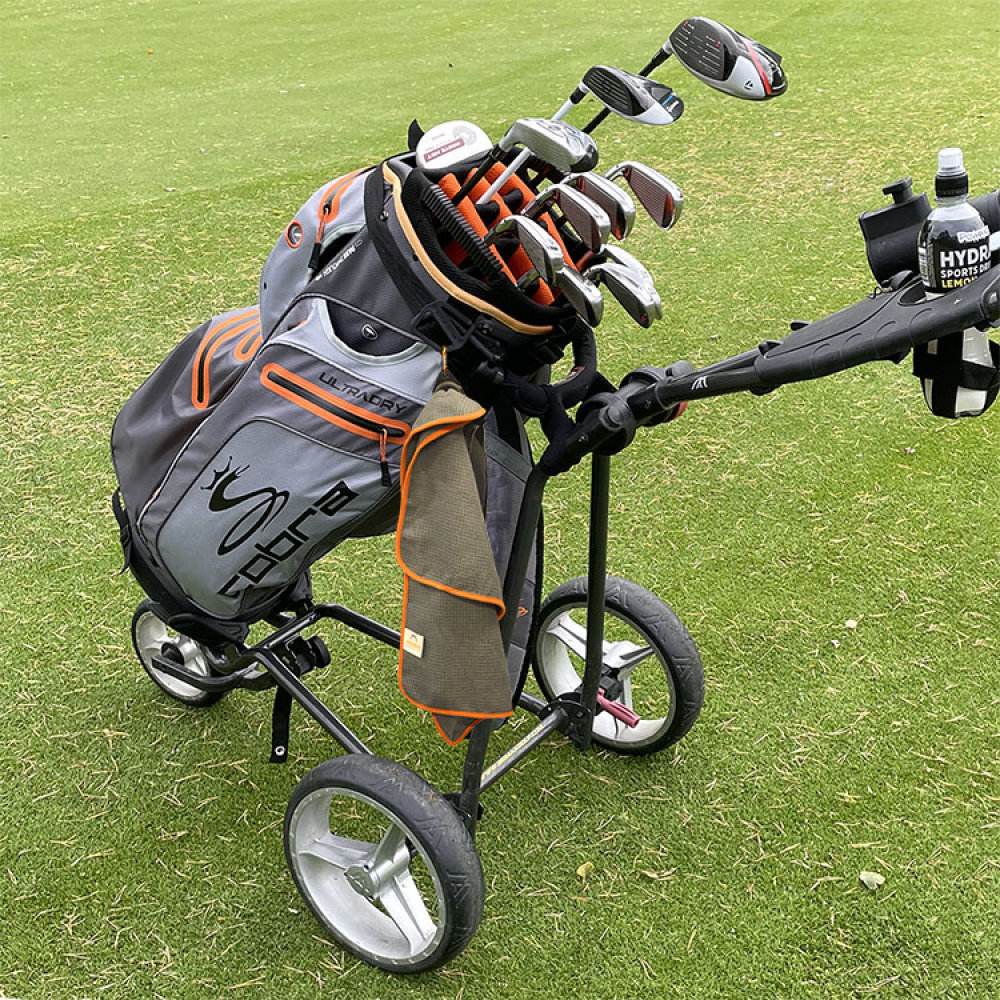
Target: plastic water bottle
{"x":953,"y":248}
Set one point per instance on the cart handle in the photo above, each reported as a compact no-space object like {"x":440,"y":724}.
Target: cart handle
{"x":884,"y":326}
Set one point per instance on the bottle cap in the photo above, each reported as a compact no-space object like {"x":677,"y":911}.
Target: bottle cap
{"x":950,"y":162}
{"x":952,"y":182}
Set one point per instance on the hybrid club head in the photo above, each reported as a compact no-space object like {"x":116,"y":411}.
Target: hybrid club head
{"x":582,"y":294}
{"x":557,"y":143}
{"x":447,"y":146}
{"x":544,"y":253}
{"x":589,"y":221}
{"x":727,"y":60}
{"x":616,"y":203}
{"x":635,"y":294}
{"x":659,"y":195}
{"x":632,"y":96}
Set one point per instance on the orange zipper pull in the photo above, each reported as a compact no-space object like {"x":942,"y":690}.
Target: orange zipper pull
{"x":383,"y":441}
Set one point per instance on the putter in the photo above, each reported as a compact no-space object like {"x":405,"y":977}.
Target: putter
{"x":589,"y":221}
{"x":693,"y":38}
{"x":564,"y":147}
{"x":659,"y":195}
{"x":634,"y":293}
{"x":542,"y":250}
{"x":616,"y":203}
{"x":583,"y":295}
{"x":443,"y":148}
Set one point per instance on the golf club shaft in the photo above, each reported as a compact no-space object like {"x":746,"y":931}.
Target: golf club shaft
{"x":516,"y":163}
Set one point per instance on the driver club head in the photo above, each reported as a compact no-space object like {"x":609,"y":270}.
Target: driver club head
{"x":659,"y":195}
{"x":446,"y":147}
{"x":588,"y":220}
{"x":634,"y":293}
{"x":727,"y":60}
{"x":616,"y":203}
{"x":582,"y":294}
{"x":544,"y":253}
{"x":632,"y":96}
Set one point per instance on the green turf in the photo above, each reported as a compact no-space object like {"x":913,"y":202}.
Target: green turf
{"x":151,"y":153}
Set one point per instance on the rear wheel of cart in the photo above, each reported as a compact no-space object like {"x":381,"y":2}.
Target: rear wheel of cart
{"x":652,"y":674}
{"x":151,"y":637}
{"x":384,"y":862}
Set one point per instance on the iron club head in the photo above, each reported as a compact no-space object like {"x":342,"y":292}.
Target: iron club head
{"x":659,"y":195}
{"x":589,"y":221}
{"x":542,"y":250}
{"x":616,"y":203}
{"x":634,"y":293}
{"x":583,"y":295}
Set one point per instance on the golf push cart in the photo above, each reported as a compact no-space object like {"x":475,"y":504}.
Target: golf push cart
{"x":407,"y":321}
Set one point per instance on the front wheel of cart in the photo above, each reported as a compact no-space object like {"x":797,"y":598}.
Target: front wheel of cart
{"x":652,"y":683}
{"x":384,"y":862}
{"x":151,"y":637}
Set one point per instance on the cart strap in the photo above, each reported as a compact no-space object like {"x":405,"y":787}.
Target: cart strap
{"x":281,"y":717}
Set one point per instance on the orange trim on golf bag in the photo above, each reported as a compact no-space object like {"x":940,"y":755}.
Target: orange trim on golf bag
{"x":330,"y":202}
{"x":214,"y":338}
{"x":444,"y":427}
{"x":481,"y":305}
{"x":331,"y":408}
{"x":249,"y":345}
{"x":519,"y":262}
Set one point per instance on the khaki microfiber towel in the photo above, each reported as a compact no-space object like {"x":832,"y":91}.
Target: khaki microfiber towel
{"x":451,"y":658}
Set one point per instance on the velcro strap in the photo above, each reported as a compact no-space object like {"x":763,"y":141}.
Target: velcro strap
{"x":281,"y":717}
{"x":952,"y":371}
{"x":124,"y":528}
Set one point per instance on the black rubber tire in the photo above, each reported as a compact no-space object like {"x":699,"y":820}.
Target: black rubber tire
{"x":144,"y":614}
{"x":664,"y":632}
{"x":433,"y":828}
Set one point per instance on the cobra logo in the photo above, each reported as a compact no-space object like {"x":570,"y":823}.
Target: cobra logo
{"x":264,"y":506}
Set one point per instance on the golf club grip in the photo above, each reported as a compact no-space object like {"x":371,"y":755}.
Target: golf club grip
{"x":884,"y":327}
{"x":441,"y":207}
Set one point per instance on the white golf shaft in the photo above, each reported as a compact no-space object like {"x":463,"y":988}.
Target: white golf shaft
{"x":520,"y":159}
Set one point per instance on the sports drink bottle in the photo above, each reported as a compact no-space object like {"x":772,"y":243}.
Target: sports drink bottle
{"x":952,"y":250}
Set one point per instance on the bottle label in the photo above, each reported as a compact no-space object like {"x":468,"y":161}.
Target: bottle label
{"x":954,"y":259}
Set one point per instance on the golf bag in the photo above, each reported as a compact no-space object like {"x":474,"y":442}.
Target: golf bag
{"x":270,"y":434}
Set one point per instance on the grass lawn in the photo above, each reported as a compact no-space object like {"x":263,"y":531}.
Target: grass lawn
{"x":832,"y":547}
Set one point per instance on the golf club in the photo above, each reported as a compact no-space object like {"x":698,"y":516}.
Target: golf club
{"x":564,"y":147}
{"x":659,"y":195}
{"x":727,"y":60}
{"x":589,"y":221}
{"x":444,"y":147}
{"x":735,"y":49}
{"x":542,"y":250}
{"x":616,"y":255}
{"x":583,"y":295}
{"x":634,"y":293}
{"x":616,"y":203}
{"x":626,"y":94}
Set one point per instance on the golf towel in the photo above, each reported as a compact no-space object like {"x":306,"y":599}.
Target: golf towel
{"x":451,"y":657}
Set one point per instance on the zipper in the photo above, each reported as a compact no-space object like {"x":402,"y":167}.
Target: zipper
{"x":337,"y":411}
